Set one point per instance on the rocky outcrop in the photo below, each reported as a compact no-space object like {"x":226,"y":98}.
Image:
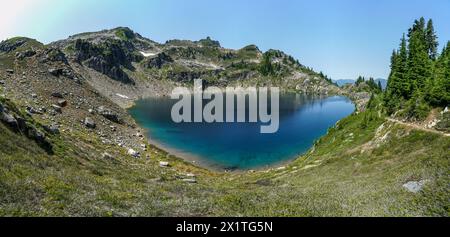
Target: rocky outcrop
{"x":107,"y":58}
{"x":54,"y":55}
{"x":159,"y":61}
{"x":20,"y":125}
{"x":208,"y":42}
{"x":99,"y":64}
{"x":25,"y":54}
{"x":11,"y":45}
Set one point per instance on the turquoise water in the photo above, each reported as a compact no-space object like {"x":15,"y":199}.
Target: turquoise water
{"x":240,"y":146}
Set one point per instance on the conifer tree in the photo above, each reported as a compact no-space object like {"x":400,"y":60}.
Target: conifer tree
{"x":419,"y":76}
{"x":419,"y":64}
{"x":431,"y":38}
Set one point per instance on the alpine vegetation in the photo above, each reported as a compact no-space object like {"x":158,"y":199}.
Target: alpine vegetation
{"x":235,"y":103}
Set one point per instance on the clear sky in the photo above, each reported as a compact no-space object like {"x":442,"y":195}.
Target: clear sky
{"x":342,"y":38}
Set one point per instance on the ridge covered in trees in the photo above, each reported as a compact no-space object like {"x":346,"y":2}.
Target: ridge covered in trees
{"x":420,"y":77}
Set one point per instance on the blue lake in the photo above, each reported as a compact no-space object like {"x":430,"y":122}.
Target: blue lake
{"x":241,"y":146}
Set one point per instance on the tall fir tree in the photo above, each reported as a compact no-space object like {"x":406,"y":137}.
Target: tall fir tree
{"x":419,"y":63}
{"x":405,"y":85}
{"x":438,"y":89}
{"x":431,"y":38}
{"x":380,"y":87}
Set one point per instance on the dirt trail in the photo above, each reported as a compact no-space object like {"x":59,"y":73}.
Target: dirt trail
{"x":418,"y":127}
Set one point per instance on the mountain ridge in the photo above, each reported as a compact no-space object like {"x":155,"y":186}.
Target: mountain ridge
{"x":69,"y":148}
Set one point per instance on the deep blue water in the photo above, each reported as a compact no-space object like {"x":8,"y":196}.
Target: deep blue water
{"x":303,"y":120}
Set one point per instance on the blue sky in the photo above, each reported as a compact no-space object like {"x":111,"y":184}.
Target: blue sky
{"x":342,"y":38}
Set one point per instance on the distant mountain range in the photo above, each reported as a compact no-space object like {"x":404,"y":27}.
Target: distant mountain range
{"x":342,"y":82}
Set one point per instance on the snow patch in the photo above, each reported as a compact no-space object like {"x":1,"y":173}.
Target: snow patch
{"x":147,"y":54}
{"x":123,"y":96}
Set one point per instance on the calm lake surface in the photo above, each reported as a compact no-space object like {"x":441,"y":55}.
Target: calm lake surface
{"x":303,"y":119}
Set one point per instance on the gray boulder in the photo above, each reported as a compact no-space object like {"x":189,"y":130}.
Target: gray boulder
{"x":414,"y":186}
{"x":108,"y":114}
{"x":62,"y":103}
{"x":52,"y":129}
{"x":9,"y":120}
{"x":56,"y":71}
{"x":89,"y":123}
{"x":57,"y":95}
{"x":57,"y":108}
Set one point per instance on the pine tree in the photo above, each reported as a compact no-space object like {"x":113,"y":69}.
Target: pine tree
{"x":419,"y":64}
{"x":359,"y":80}
{"x":392,"y":91}
{"x":438,"y":89}
{"x":431,"y":38}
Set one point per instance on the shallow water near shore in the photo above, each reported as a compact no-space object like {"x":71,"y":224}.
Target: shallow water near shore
{"x":241,"y":146}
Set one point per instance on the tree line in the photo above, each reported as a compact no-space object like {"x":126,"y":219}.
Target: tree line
{"x":420,"y":77}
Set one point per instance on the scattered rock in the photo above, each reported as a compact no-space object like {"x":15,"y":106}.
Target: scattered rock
{"x":164,"y":164}
{"x":190,"y":175}
{"x":55,"y":55}
{"x":55,"y":71}
{"x":107,"y":156}
{"x":31,"y":111}
{"x":53,"y":129}
{"x":10,"y":71}
{"x":62,"y":103}
{"x":57,"y":108}
{"x":57,"y":95}
{"x":25,"y":54}
{"x":192,"y":181}
{"x":89,"y":123}
{"x":414,"y":186}
{"x":133,"y":153}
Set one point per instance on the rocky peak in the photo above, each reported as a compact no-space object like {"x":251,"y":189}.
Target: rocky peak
{"x":208,"y":42}
{"x":19,"y":43}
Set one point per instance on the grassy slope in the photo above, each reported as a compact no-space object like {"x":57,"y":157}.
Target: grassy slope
{"x":335,"y":179}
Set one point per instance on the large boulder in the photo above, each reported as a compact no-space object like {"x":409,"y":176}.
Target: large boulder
{"x":9,"y":120}
{"x":89,"y":123}
{"x":109,"y":114}
{"x":52,"y":129}
{"x":55,"y":71}
{"x":133,"y":153}
{"x":57,"y":95}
